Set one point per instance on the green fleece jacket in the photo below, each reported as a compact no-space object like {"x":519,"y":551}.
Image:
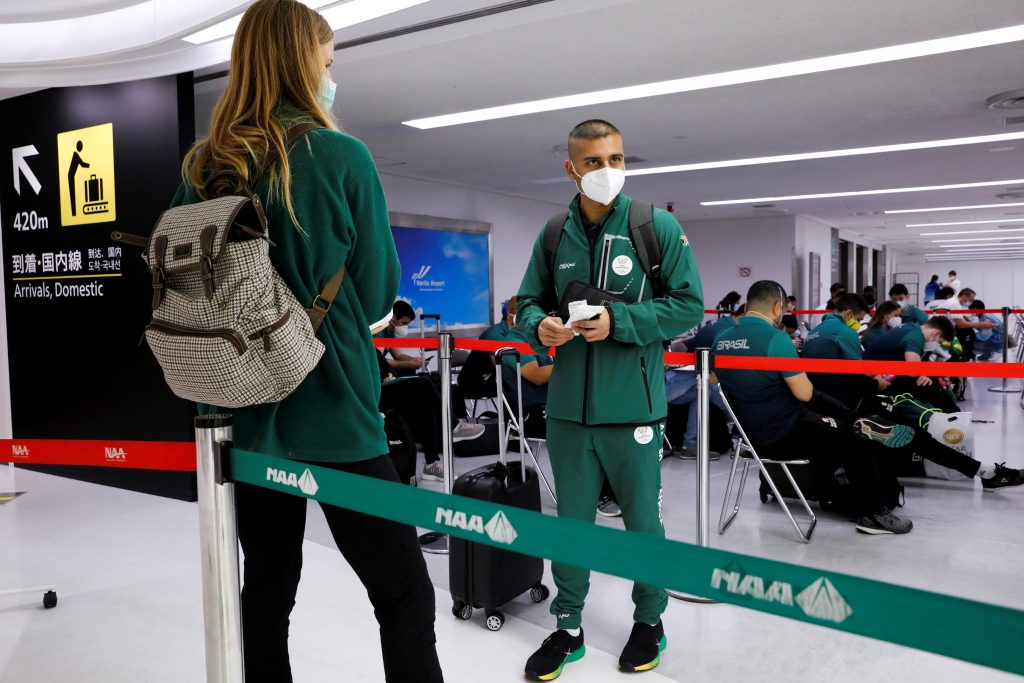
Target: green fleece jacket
{"x":620,"y":380}
{"x":339,"y":201}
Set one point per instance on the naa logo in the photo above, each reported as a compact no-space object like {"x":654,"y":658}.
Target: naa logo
{"x":820,"y":600}
{"x":19,"y":451}
{"x":305,"y":483}
{"x":499,"y":529}
{"x":115,"y":454}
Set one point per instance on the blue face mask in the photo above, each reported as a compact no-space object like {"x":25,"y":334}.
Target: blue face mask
{"x":325,"y":95}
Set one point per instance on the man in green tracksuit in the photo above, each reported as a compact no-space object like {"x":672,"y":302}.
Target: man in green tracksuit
{"x":606,"y":398}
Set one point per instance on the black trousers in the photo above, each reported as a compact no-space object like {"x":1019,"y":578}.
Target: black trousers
{"x":419,"y":404}
{"x":932,"y":393}
{"x":385,"y":556}
{"x":834,"y":446}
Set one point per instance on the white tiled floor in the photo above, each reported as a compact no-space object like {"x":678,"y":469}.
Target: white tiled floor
{"x":126,"y":568}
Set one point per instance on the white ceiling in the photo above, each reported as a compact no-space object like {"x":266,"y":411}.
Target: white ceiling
{"x":571,"y":46}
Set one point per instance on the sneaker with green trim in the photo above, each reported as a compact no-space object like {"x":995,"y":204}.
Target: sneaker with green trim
{"x":557,"y":650}
{"x":886,"y":433}
{"x":644,"y":647}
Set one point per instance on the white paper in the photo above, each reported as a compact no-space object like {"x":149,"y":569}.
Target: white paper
{"x":581,"y":310}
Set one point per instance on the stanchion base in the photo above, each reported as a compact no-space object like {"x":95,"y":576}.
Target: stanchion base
{"x":695,"y":599}
{"x":434,"y":543}
{"x":1006,"y":390}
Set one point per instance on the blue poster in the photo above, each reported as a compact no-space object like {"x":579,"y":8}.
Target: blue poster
{"x":447,"y":273}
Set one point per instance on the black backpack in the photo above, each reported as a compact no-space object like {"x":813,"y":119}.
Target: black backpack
{"x":641,"y":233}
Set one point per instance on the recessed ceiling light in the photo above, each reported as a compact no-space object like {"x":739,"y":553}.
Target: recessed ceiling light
{"x":827,"y":195}
{"x":802,"y":67}
{"x":958,"y":208}
{"x":971,"y":232}
{"x":828,"y":154}
{"x":1002,"y":149}
{"x":979,"y":239}
{"x":975,"y":258}
{"x":339,"y":17}
{"x":932,"y":225}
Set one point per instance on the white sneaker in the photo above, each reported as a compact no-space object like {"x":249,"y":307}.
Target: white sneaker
{"x":434,"y":471}
{"x":467,"y":431}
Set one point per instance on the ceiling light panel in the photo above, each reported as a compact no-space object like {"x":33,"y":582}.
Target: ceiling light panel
{"x":934,"y":225}
{"x":802,"y":67}
{"x":830,"y":154}
{"x":971,"y":232}
{"x":979,"y":239}
{"x":859,"y":193}
{"x":339,"y":16}
{"x":132,"y":27}
{"x":957,"y":208}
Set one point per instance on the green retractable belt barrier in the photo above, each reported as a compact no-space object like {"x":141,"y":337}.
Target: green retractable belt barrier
{"x":977,"y":632}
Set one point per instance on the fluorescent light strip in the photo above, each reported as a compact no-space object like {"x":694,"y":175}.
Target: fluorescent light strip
{"x":801,"y":67}
{"x":971,"y":232}
{"x":339,"y":17}
{"x":989,"y":247}
{"x":830,"y":154}
{"x":977,"y":253}
{"x":975,"y":258}
{"x":957,"y":208}
{"x":933,"y":225}
{"x":978,"y":239}
{"x":826,"y":195}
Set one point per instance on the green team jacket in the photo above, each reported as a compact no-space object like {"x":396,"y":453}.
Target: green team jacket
{"x":620,"y":380}
{"x":339,"y":201}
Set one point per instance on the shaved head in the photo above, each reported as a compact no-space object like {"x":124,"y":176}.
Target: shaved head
{"x":592,"y":129}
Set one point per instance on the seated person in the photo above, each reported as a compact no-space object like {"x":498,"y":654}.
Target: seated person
{"x":791,"y":304}
{"x":988,"y":341}
{"x":869,"y":295}
{"x":966,"y":328}
{"x":834,"y":338}
{"x":787,"y":418}
{"x":911,"y":314}
{"x":909,"y":342}
{"x":681,"y":385}
{"x":942,"y":297}
{"x":401,"y":363}
{"x":791,"y":327}
{"x":887,"y":316}
{"x":535,"y":369}
{"x":417,"y":400}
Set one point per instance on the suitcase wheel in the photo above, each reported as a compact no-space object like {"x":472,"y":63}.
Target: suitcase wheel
{"x":540,"y":593}
{"x":49,"y":599}
{"x":462,"y":611}
{"x":495,"y":620}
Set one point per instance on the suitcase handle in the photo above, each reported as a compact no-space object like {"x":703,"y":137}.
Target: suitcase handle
{"x":502,"y":455}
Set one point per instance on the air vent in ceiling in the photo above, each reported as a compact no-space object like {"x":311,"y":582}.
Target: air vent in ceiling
{"x":763,"y":206}
{"x":1011,"y":195}
{"x":1013,"y":120}
{"x":1011,"y":99}
{"x":634,"y":160}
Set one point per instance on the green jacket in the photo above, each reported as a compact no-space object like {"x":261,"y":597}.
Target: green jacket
{"x":620,"y":380}
{"x":339,"y":201}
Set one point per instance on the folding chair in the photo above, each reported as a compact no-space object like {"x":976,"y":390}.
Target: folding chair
{"x":476,"y":379}
{"x":744,"y":450}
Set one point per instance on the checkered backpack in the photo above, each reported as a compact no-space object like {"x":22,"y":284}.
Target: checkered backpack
{"x":226,"y":329}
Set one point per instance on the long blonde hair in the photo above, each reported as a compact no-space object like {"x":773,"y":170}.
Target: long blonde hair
{"x":275,"y":58}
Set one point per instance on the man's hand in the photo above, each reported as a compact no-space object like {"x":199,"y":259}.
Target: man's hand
{"x":924,"y":381}
{"x":413,"y":362}
{"x":594,"y":330}
{"x":552,"y":332}
{"x":986,"y":325}
{"x":883,"y":385}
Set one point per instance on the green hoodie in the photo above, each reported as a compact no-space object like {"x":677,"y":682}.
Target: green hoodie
{"x":339,"y":201}
{"x":620,"y":380}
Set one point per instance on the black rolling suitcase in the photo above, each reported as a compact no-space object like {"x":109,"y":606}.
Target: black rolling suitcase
{"x":483,"y":576}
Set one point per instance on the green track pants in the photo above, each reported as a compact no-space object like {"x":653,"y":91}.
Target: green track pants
{"x":631,"y":458}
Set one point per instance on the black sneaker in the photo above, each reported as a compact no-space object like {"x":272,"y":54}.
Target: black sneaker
{"x":887,"y":434}
{"x":555,"y":652}
{"x":644,"y":647}
{"x":690,"y":454}
{"x":607,"y":507}
{"x":1004,"y":476}
{"x":884,"y":523}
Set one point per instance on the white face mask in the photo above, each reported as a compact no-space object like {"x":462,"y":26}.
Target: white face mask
{"x":325,"y":95}
{"x":903,"y":304}
{"x":602,"y":185}
{"x":931,"y":346}
{"x":402,"y":332}
{"x":895,"y":321}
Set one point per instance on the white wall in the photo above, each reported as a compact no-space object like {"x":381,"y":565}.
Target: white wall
{"x":813,"y":235}
{"x":721,"y":247}
{"x":998,"y":282}
{"x":515,"y":222}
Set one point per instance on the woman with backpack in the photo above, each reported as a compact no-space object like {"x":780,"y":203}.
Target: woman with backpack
{"x":325,"y":207}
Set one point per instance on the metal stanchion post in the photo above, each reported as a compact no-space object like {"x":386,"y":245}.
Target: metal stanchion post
{"x":703,"y":371}
{"x":218,"y":539}
{"x":1003,"y":389}
{"x":434,"y":542}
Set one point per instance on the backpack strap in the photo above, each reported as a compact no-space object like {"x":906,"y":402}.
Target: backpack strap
{"x":549,"y":245}
{"x":645,"y":242}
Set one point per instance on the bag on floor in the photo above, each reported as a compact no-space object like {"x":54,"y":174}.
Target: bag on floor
{"x":956,"y":431}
